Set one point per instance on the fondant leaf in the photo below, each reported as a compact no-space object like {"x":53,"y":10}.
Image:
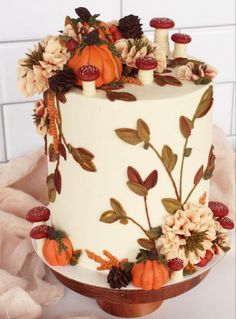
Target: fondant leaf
{"x":171,"y":205}
{"x":143,"y":131}
{"x":171,"y":80}
{"x":159,"y":80}
{"x":128,"y":135}
{"x":188,"y":152}
{"x":186,"y":126}
{"x":137,"y":188}
{"x":151,"y":180}
{"x":52,"y":194}
{"x":169,"y":158}
{"x":134,"y":176}
{"x":123,"y":96}
{"x":109,"y":217}
{"x":205,"y":103}
{"x":85,"y":154}
{"x":119,"y":210}
{"x":88,"y":166}
{"x":62,"y":151}
{"x":198,"y":175}
{"x":146,"y":243}
{"x":50,"y":181}
{"x":57,"y":180}
{"x":155,"y":232}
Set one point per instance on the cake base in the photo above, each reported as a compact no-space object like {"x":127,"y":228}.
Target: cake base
{"x":130,"y":303}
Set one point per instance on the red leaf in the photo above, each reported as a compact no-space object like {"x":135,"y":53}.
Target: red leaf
{"x":134,"y":176}
{"x":151,"y":180}
{"x":57,"y":180}
{"x":198,"y":175}
{"x":62,"y":151}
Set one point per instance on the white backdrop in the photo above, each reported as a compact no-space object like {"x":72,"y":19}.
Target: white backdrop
{"x":211,"y":24}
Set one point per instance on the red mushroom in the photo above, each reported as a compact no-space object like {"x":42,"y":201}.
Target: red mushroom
{"x":88,"y":74}
{"x":161,"y":36}
{"x":39,"y":232}
{"x":146,"y":66}
{"x":181,"y":40}
{"x":38,"y":214}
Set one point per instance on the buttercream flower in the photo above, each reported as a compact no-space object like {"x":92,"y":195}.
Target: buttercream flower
{"x":221,"y":243}
{"x":188,"y":234}
{"x":195,"y":71}
{"x":41,"y":117}
{"x":69,"y":31}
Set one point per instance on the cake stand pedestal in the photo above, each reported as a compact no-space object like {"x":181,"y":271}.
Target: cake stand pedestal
{"x":130,"y":303}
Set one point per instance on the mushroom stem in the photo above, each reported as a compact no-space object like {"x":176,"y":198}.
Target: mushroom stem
{"x":146,"y":76}
{"x":89,"y":88}
{"x":39,"y":245}
{"x":161,"y":37}
{"x":180,"y":51}
{"x":177,"y":275}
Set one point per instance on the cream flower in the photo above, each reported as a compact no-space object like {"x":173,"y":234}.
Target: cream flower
{"x":69,"y":31}
{"x":193,"y":71}
{"x":188,"y":234}
{"x":41,"y":115}
{"x":221,"y":243}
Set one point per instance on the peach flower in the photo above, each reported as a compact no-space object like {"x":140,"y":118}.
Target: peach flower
{"x":194,"y":71}
{"x":42,"y":115}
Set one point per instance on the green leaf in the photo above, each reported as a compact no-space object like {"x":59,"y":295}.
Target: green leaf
{"x":119,"y":210}
{"x":52,"y":195}
{"x":128,"y":135}
{"x":137,"y":188}
{"x":188,"y":152}
{"x":169,"y":158}
{"x":109,"y":217}
{"x":143,"y":131}
{"x":146,"y":243}
{"x":186,"y":126}
{"x":171,"y":205}
{"x":205,"y":103}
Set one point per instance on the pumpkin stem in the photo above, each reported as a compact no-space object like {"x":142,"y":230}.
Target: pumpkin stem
{"x":83,"y":13}
{"x":93,"y":38}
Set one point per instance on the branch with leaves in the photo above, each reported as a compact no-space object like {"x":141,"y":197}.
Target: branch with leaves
{"x":60,"y":147}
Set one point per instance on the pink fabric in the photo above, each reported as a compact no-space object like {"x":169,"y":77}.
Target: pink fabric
{"x":23,"y":289}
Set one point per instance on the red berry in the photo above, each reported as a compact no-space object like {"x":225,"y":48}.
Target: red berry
{"x":71,"y":45}
{"x":202,"y":262}
{"x":226,"y":222}
{"x":209,"y":255}
{"x":38,"y":214}
{"x":175,"y":264}
{"x":39,"y":232}
{"x":218,"y":209}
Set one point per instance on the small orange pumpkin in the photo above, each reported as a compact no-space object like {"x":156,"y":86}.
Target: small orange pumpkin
{"x":99,"y":55}
{"x":103,"y":29}
{"x":58,"y":250}
{"x":149,"y":275}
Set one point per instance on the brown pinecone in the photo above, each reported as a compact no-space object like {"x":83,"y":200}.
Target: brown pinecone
{"x":83,"y":13}
{"x":62,"y":81}
{"x":130,"y":27}
{"x":118,"y":278}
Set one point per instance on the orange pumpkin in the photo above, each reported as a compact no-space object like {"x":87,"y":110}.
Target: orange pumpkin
{"x":58,"y":254}
{"x":149,"y":275}
{"x":104,"y":31}
{"x":110,"y":66}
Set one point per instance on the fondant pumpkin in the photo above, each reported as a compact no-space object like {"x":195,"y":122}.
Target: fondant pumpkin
{"x":149,"y":275}
{"x":104,"y":31}
{"x":58,"y":253}
{"x":110,"y":66}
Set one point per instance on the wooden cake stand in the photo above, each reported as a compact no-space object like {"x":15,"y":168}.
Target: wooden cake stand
{"x":130,"y":303}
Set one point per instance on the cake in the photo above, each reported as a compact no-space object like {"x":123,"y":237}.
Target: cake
{"x":127,"y":126}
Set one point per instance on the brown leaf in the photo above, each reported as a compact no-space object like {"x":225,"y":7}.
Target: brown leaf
{"x":171,"y":80}
{"x":57,"y":180}
{"x":122,"y":96}
{"x":186,"y":126}
{"x":198,"y":175}
{"x":146,"y":243}
{"x":128,"y":135}
{"x":151,"y":180}
{"x":61,"y":97}
{"x":133,"y":175}
{"x":159,"y":80}
{"x":109,"y":217}
{"x":137,"y":188}
{"x":62,"y":151}
{"x":155,"y":232}
{"x":205,"y":103}
{"x":76,"y":155}
{"x":52,"y":194}
{"x":169,"y":158}
{"x":53,"y":155}
{"x":143,"y":131}
{"x":119,"y":210}
{"x":188,"y":152}
{"x":88,"y":166}
{"x":171,"y":205}
{"x":85,"y":154}
{"x":50,"y":181}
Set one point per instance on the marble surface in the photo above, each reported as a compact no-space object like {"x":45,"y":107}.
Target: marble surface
{"x":214,"y":298}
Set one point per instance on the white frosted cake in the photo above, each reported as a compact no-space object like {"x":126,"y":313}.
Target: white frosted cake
{"x":128,"y":135}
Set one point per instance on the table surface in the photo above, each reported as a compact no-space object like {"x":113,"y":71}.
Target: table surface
{"x":214,"y":298}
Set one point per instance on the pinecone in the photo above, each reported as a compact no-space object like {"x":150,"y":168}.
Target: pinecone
{"x":62,"y":81}
{"x":83,"y":13}
{"x":130,"y":27}
{"x":118,"y":278}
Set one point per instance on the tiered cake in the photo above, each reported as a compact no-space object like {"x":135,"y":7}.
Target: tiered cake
{"x":128,"y":135}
